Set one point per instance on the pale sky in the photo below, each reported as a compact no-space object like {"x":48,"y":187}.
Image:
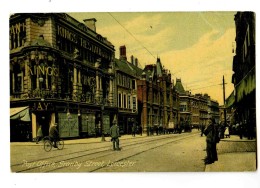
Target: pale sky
{"x":194,"y":46}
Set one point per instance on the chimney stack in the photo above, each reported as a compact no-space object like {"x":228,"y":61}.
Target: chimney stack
{"x":136,"y":62}
{"x":132,"y":59}
{"x":91,"y":23}
{"x":122,"y":50}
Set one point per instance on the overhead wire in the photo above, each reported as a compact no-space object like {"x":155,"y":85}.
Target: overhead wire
{"x":132,"y":35}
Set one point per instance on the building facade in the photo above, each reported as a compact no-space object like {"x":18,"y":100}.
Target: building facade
{"x":195,"y":110}
{"x":157,"y":99}
{"x":244,"y":78}
{"x":63,"y":71}
{"x":127,"y":74}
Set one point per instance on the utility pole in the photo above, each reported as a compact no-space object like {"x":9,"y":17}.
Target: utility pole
{"x":224,"y":98}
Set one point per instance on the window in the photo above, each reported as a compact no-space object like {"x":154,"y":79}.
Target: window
{"x":133,"y":84}
{"x":134,"y":104}
{"x":124,"y":101}
{"x":119,"y":100}
{"x":183,"y":108}
{"x":129,"y":102}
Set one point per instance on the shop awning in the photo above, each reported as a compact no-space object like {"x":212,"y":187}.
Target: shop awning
{"x":20,"y":113}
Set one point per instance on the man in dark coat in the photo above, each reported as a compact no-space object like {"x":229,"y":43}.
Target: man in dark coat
{"x":114,"y":133}
{"x":54,"y":135}
{"x":212,"y":140}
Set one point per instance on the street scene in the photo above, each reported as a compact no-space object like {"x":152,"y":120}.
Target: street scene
{"x":132,"y":92}
{"x":162,"y":153}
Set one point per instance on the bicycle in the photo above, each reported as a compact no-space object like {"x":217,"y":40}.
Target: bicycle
{"x":48,"y":144}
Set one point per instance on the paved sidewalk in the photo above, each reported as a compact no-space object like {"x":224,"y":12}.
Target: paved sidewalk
{"x":235,"y":155}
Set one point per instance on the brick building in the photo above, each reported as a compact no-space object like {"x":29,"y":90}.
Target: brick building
{"x":157,"y":99}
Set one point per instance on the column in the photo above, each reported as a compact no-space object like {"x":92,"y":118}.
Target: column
{"x":97,"y":87}
{"x":110,"y":95}
{"x":75,"y":80}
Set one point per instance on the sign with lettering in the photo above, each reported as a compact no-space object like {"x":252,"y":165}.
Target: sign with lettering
{"x":43,"y":70}
{"x":82,"y":42}
{"x":42,"y":106}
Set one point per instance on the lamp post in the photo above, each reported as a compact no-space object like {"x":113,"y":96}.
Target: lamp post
{"x":102,"y":124}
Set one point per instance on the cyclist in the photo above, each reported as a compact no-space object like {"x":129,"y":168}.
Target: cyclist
{"x":54,"y":135}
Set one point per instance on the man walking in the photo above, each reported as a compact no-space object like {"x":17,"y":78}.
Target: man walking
{"x":114,"y":133}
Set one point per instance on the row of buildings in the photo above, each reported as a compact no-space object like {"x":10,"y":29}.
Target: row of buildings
{"x":62,"y":71}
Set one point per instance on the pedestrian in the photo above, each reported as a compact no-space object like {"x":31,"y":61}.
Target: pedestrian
{"x":54,"y":135}
{"x":114,"y":133}
{"x":226,"y":133}
{"x":211,"y":139}
{"x":39,"y":135}
{"x":133,"y":129}
{"x":202,"y":129}
{"x":240,"y":130}
{"x":141,"y":130}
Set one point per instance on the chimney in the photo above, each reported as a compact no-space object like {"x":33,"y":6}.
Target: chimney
{"x":132,"y":59}
{"x":122,"y":50}
{"x":136,"y":62}
{"x":91,"y":23}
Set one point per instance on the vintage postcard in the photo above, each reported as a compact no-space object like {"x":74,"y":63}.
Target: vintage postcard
{"x":132,"y":92}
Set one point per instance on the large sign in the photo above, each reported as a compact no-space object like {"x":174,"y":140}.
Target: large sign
{"x":82,"y":42}
{"x":44,"y":70}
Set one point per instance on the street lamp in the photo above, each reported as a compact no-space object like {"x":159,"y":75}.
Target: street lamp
{"x":101,"y":122}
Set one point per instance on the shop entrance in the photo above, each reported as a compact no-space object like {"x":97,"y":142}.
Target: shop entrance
{"x":43,"y":119}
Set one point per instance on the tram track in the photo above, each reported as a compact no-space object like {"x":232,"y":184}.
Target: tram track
{"x":56,"y":163}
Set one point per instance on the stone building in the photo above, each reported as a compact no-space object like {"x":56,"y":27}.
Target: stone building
{"x":244,"y":78}
{"x":61,"y":71}
{"x":157,"y":99}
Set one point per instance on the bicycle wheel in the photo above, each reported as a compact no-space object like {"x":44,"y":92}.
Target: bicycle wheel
{"x":60,"y":144}
{"x":47,"y":145}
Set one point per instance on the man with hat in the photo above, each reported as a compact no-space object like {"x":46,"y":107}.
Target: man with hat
{"x":54,"y":135}
{"x":114,"y":133}
{"x":211,"y":140}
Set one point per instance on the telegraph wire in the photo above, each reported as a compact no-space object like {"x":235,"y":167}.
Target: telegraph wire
{"x":132,"y":35}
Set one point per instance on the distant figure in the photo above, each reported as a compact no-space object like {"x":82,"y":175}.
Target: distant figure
{"x":114,"y":133}
{"x":226,"y":133}
{"x":202,"y":129}
{"x":133,"y":130}
{"x":39,"y":135}
{"x":240,"y":130}
{"x":54,"y":135}
{"x":141,"y":130}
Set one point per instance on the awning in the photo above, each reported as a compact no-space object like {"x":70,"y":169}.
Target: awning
{"x":20,"y":113}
